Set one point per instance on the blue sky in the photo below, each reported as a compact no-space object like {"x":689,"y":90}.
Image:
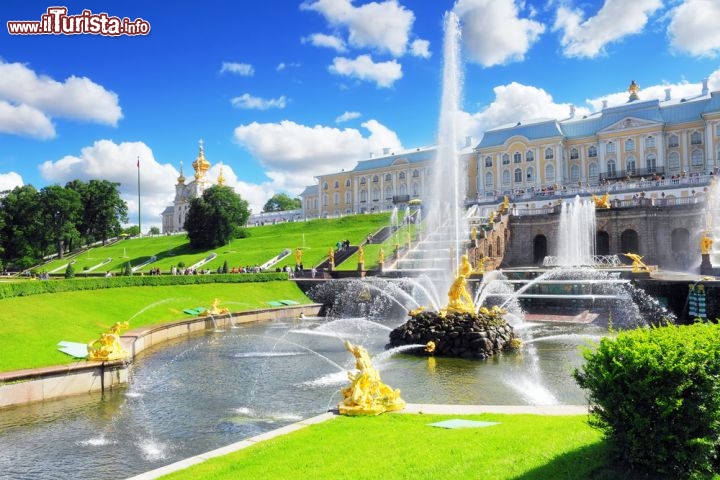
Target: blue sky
{"x":283,"y":90}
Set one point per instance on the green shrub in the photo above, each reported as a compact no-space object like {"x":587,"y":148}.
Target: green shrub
{"x":70,"y":271}
{"x":240,"y":232}
{"x":28,"y":287}
{"x":655,"y":393}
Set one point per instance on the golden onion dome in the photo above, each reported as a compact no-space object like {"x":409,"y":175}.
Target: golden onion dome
{"x":201,"y":165}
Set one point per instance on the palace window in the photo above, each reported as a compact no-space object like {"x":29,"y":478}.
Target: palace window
{"x":348,"y":197}
{"x":630,"y":164}
{"x":673,"y":141}
{"x":592,"y":151}
{"x":529,"y":156}
{"x":326,"y":198}
{"x":518,"y":175}
{"x":376,"y":194}
{"x":610,"y":148}
{"x":696,"y":158}
{"x":363,"y":196}
{"x":363,"y":181}
{"x":347,"y":182}
{"x":506,"y":159}
{"x":376,"y":179}
{"x":574,"y":154}
{"x":325,"y":185}
{"x":574,"y":173}
{"x":530,"y":174}
{"x":517,"y":157}
{"x":506,"y":177}
{"x":416,"y":173}
{"x":611,"y":168}
{"x":388,"y":193}
{"x":696,"y":138}
{"x":488,"y":161}
{"x":336,"y":198}
{"x":593,"y":170}
{"x":488,"y":180}
{"x":402,"y":190}
{"x":717,"y":130}
{"x":401,"y":175}
{"x":336,"y":184}
{"x":416,"y":189}
{"x":651,"y":163}
{"x":650,"y":142}
{"x":549,"y":155}
{"x":388,"y":177}
{"x":549,"y":173}
{"x":674,"y":161}
{"x":629,"y":145}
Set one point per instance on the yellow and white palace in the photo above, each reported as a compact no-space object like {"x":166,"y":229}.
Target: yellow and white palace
{"x":639,"y":140}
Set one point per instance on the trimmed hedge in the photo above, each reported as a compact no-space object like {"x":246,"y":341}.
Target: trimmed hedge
{"x":655,"y":393}
{"x":35,"y":287}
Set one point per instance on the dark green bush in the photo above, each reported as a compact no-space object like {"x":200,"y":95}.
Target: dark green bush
{"x":655,"y":393}
{"x":70,"y":271}
{"x":32,"y":287}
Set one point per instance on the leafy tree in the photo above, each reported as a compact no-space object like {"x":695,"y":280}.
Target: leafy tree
{"x":281,"y":202}
{"x":212,"y":219}
{"x":154,"y":231}
{"x":70,"y":271}
{"x":60,"y":210}
{"x":21,"y":233}
{"x":103,"y":210}
{"x":132,"y":231}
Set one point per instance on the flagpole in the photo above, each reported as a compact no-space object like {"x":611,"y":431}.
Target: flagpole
{"x":139,"y":216}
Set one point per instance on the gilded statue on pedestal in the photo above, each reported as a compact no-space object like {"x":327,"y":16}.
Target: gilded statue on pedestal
{"x":367,"y":395}
{"x":108,"y":346}
{"x":706,"y":243}
{"x":638,"y":265}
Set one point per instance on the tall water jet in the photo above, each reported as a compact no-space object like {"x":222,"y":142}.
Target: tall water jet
{"x":576,"y":233}
{"x":446,"y":198}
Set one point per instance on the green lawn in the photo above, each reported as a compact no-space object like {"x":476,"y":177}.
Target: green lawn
{"x":314,"y":237}
{"x":527,"y":447}
{"x":33,"y":325}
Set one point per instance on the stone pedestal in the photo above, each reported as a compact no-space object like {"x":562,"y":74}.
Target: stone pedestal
{"x":361,"y":266}
{"x":380,"y":266}
{"x":706,"y":267}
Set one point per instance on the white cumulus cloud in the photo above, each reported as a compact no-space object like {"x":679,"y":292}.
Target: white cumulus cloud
{"x":384,"y":74}
{"x":493,"y":32}
{"x":115,"y":162}
{"x":347,"y":116}
{"x":250,"y":102}
{"x":615,"y":20}
{"x":35,"y":96}
{"x":25,"y":120}
{"x":693,"y":28}
{"x":420,"y":48}
{"x":292,"y":154}
{"x":381,"y":26}
{"x":323,"y":40}
{"x":513,"y":103}
{"x":10,"y":180}
{"x":242,"y":69}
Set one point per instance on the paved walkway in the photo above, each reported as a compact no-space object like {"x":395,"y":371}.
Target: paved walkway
{"x":415,"y":408}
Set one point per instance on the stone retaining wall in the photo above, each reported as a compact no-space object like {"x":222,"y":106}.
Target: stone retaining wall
{"x":35,"y":385}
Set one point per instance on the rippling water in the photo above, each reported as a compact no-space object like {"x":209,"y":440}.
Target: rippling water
{"x":216,"y":388}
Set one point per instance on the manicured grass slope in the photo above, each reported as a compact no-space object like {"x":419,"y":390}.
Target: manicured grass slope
{"x":524,"y":447}
{"x":315,"y":237}
{"x":32,"y":326}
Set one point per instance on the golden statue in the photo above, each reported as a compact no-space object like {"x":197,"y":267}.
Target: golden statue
{"x":108,"y":346}
{"x":430,"y":347}
{"x":638,"y":265}
{"x":214,"y":310}
{"x":633,"y":90}
{"x":331,"y":256}
{"x":298,"y":256}
{"x":706,"y":244}
{"x":602,"y":202}
{"x":465,"y":266}
{"x":361,"y":255}
{"x":460,"y":300}
{"x":381,"y":256}
{"x":491,"y":218}
{"x":480,"y":269}
{"x":367,"y":395}
{"x":473,"y":233}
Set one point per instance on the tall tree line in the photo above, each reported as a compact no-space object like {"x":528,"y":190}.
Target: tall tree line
{"x":55,"y":219}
